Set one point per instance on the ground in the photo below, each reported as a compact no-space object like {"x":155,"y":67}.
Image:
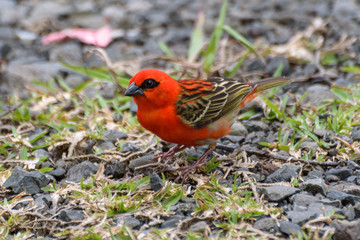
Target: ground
{"x":75,"y":163}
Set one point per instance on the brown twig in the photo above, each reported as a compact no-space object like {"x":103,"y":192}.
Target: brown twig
{"x":253,"y":187}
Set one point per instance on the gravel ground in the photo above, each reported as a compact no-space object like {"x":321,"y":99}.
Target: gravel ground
{"x":323,"y":190}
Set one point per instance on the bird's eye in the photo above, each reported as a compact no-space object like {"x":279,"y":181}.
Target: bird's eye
{"x":149,"y":83}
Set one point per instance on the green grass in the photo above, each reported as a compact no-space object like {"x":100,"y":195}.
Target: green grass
{"x":61,"y":112}
{"x":205,"y":54}
{"x":337,"y":115}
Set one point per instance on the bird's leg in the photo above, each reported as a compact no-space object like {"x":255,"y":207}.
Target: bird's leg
{"x":185,"y":171}
{"x":162,"y":156}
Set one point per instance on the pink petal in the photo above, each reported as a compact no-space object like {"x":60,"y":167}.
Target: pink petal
{"x":99,"y":37}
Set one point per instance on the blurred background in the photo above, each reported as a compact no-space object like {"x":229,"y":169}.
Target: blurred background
{"x":138,"y":26}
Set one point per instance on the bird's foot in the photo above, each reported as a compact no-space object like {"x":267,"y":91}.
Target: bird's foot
{"x":186,"y":171}
{"x":163,"y":156}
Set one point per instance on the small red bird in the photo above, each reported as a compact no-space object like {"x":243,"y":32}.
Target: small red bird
{"x":191,"y":112}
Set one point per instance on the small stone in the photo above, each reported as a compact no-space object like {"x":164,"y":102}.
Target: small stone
{"x":317,"y":93}
{"x":107,"y":91}
{"x":130,"y":147}
{"x":74,"y":80}
{"x":316,"y":185}
{"x":278,"y":193}
{"x":87,"y":19}
{"x":46,"y":164}
{"x":349,"y":212}
{"x":331,"y":178}
{"x":345,"y":230}
{"x":186,"y":208}
{"x":117,"y":169}
{"x":349,"y":188}
{"x":84,"y":170}
{"x":255,"y":65}
{"x":234,"y":139}
{"x":106,"y":145}
{"x":40,"y":153}
{"x":320,"y":132}
{"x":275,"y":63}
{"x":133,"y":106}
{"x":342,"y":81}
{"x":58,"y":173}
{"x":156,"y":182}
{"x":7,"y":33}
{"x":238,"y":129}
{"x":345,"y":138}
{"x":255,"y":137}
{"x":31,"y":182}
{"x":172,"y":222}
{"x":355,"y":133}
{"x":113,"y":135}
{"x":60,"y":163}
{"x":67,"y":52}
{"x":343,"y":197}
{"x":301,"y":217}
{"x":329,"y":202}
{"x":23,"y":73}
{"x":341,"y":173}
{"x":129,"y":221}
{"x":351,"y":179}
{"x":141,"y":161}
{"x":315,"y":174}
{"x":302,"y":199}
{"x":309,"y":146}
{"x":283,"y":174}
{"x":34,"y":134}
{"x":254,"y":126}
{"x":43,"y":11}
{"x":200,"y":227}
{"x":333,"y":152}
{"x":290,"y":228}
{"x":310,"y":69}
{"x":357,"y":210}
{"x":71,"y":215}
{"x":352,"y":165}
{"x":266,"y":224}
{"x":43,"y":202}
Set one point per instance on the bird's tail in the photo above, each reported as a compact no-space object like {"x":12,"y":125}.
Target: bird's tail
{"x":263,"y":85}
{"x":269,"y":83}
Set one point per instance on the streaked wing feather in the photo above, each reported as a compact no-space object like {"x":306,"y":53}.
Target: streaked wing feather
{"x":202,"y":102}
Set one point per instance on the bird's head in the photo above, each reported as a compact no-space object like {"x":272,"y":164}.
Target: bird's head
{"x":153,"y":88}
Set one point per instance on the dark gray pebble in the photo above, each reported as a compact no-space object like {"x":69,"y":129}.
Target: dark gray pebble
{"x":31,"y":182}
{"x":84,"y":170}
{"x":156,"y":182}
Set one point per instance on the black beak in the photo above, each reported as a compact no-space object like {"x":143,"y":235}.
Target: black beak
{"x":134,"y":90}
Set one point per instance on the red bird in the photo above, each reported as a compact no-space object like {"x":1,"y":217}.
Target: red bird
{"x":191,"y":112}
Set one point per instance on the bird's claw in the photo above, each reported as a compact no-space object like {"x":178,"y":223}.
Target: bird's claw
{"x":165,"y":155}
{"x":185,"y":172}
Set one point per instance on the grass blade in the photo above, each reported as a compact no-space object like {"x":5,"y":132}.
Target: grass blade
{"x":100,"y":74}
{"x":167,"y":52}
{"x":278,"y":70}
{"x":232,"y":32}
{"x":197,"y":37}
{"x":165,"y":49}
{"x":210,"y":51}
{"x":233,"y":72}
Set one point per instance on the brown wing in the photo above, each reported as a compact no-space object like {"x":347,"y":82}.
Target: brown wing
{"x":202,"y":102}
